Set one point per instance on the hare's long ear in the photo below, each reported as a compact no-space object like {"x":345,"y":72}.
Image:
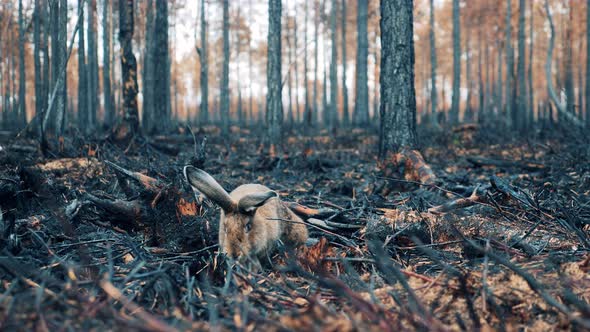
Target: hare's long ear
{"x":249,"y":203}
{"x":207,"y":185}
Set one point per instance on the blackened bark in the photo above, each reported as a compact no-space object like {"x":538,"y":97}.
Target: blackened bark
{"x":93,"y":88}
{"x":361,"y":103}
{"x":587,"y":64}
{"x":454,"y":115}
{"x":130,"y":122}
{"x":22,"y":79}
{"x":307,"y":109}
{"x":531,"y":94}
{"x":148,"y":122}
{"x":333,"y":109}
{"x":509,"y":65}
{"x":109,"y":112}
{"x":296,"y":66}
{"x":61,"y":102}
{"x":569,"y":68}
{"x":83,"y":118}
{"x":313,"y":116}
{"x":469,"y":113}
{"x":161,"y":91}
{"x":290,"y":51}
{"x":37,"y":57}
{"x":521,"y":111}
{"x":204,"y":58}
{"x":274,"y":104}
{"x":398,"y":96}
{"x":45,"y":66}
{"x":224,"y":88}
{"x":345,"y":115}
{"x":433,"y":69}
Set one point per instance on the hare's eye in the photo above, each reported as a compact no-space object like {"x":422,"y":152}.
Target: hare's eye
{"x":248,"y":225}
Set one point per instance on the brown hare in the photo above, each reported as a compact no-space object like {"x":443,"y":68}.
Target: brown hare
{"x":253,"y":218}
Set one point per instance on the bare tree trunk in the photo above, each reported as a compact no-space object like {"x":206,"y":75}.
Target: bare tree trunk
{"x":481,"y":114}
{"x":587,"y":65}
{"x":398,"y":96}
{"x":313,"y":116}
{"x":83,"y":118}
{"x":274,"y":104}
{"x":521,"y":111}
{"x":109,"y":112}
{"x":250,"y":77}
{"x":454,"y":115}
{"x":289,"y":75}
{"x":345,"y":115}
{"x":569,"y":70}
{"x":130,"y":122}
{"x":559,"y":105}
{"x":500,"y":82}
{"x":161,"y":92}
{"x":45,"y":50}
{"x":469,"y":114}
{"x":433,"y":69}
{"x":238,"y":50}
{"x":93,"y":88}
{"x":148,"y":119}
{"x":531,"y":112}
{"x":224,"y":96}
{"x":22,"y":109}
{"x":509,"y":65}
{"x":296,"y":66}
{"x":37,"y":57}
{"x":333,"y":112}
{"x":307,"y":109}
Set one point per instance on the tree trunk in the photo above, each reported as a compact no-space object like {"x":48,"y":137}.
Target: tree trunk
{"x":325,"y":103}
{"x":454,"y":116}
{"x":521,"y":111}
{"x":37,"y":58}
{"x":274,"y":104}
{"x":433,"y":70}
{"x":289,"y":75}
{"x":500,"y":83}
{"x":559,"y":105}
{"x":238,"y":51}
{"x":22,"y":109}
{"x":250,"y":74}
{"x":148,"y":121}
{"x":333,"y":113}
{"x":530,"y":112}
{"x":509,"y":65}
{"x":398,"y":96}
{"x":83,"y":118}
{"x":307,"y":109}
{"x":109,"y":113}
{"x":588,"y":64}
{"x":313,"y":114}
{"x":345,"y":115}
{"x":224,"y":89}
{"x":130,"y":122}
{"x":161,"y":89}
{"x":569,"y":70}
{"x":295,"y":68}
{"x":482,"y":114}
{"x":469,"y":114}
{"x":93,"y":88}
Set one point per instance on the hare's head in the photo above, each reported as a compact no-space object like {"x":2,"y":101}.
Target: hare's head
{"x":237,"y":217}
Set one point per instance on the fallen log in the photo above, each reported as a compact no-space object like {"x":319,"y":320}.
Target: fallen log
{"x":150,"y":184}
{"x":526,"y":165}
{"x":459,"y":203}
{"x":413,"y":166}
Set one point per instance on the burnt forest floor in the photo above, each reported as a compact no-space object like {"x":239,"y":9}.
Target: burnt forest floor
{"x":102,"y":236}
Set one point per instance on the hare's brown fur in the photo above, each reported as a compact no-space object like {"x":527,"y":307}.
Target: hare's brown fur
{"x":271,"y":222}
{"x":253,"y":218}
